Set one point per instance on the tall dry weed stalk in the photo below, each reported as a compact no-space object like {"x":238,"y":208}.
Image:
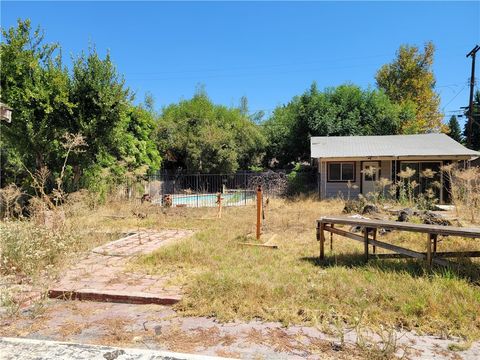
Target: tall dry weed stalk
{"x":10,"y":201}
{"x":464,"y":190}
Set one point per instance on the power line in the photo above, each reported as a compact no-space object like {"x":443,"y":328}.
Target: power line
{"x":262,"y":74}
{"x":263,"y":66}
{"x":458,"y":93}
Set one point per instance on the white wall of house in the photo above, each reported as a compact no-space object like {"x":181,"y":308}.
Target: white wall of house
{"x":336,"y":189}
{"x":332,"y":189}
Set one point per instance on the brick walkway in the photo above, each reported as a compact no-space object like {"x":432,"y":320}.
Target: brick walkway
{"x":101,"y":276}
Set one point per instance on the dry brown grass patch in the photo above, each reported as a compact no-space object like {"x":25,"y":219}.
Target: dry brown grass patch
{"x":176,"y":339}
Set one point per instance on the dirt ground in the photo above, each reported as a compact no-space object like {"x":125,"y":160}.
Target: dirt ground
{"x":159,"y":327}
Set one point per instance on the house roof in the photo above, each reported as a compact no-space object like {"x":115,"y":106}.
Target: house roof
{"x":426,"y":145}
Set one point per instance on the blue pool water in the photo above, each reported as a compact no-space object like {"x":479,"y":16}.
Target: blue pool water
{"x":210,"y":200}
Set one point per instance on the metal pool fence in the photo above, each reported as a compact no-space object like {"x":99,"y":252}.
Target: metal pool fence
{"x":200,"y":190}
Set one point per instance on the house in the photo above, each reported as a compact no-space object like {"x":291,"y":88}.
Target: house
{"x":352,"y":165}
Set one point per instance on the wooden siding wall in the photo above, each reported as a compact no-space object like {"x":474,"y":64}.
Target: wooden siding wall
{"x":336,"y":189}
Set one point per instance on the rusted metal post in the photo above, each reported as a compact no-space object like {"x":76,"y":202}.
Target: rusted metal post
{"x":219,"y":203}
{"x":259,"y":211}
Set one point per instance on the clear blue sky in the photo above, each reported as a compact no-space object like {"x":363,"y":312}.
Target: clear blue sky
{"x":266,"y":51}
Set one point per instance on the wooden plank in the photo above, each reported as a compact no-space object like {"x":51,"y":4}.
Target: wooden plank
{"x":365,"y":243}
{"x":331,"y":239}
{"x":272,"y":246}
{"x":398,"y":249}
{"x":322,"y":241}
{"x":403,"y":256}
{"x":377,"y":243}
{"x":344,"y":233}
{"x":387,"y":224}
{"x":383,"y":245}
{"x":446,"y":254}
{"x":391,"y":256}
{"x":429,"y":250}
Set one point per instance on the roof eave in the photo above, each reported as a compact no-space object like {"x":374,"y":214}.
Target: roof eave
{"x":399,"y":157}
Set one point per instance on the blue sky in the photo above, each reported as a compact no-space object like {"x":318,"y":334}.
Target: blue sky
{"x":267,"y":51}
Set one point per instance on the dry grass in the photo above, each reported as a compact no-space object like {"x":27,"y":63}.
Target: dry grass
{"x":230,"y":282}
{"x":175,"y":339}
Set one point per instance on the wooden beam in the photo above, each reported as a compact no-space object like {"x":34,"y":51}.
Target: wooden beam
{"x":344,"y":233}
{"x":331,"y":240}
{"x":398,"y":249}
{"x":383,"y":245}
{"x":377,"y":243}
{"x":365,"y":243}
{"x":322,"y":241}
{"x":429,"y":250}
{"x":404,"y":226}
{"x":272,"y":246}
{"x":447,"y":254}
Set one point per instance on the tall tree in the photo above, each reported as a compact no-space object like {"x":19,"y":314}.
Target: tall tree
{"x":454,"y":129}
{"x":199,"y":136}
{"x":35,"y":83}
{"x":341,"y":111}
{"x":50,"y":102}
{"x":475,"y":134}
{"x":409,"y":80}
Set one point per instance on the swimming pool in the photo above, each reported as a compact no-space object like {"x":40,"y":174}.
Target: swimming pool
{"x":210,"y":200}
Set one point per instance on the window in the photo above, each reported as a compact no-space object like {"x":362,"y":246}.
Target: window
{"x":370,"y":173}
{"x":427,"y":176}
{"x":341,"y":171}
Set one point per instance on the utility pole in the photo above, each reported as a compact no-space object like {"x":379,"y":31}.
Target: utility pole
{"x":472,"y":53}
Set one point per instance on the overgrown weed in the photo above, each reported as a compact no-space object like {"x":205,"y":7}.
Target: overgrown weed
{"x":230,"y":282}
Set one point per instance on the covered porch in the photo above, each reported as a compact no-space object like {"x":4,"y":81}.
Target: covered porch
{"x":350,"y":166}
{"x":350,"y":177}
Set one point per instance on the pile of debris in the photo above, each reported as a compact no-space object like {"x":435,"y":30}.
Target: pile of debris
{"x":403,"y":215}
{"x":427,"y":217}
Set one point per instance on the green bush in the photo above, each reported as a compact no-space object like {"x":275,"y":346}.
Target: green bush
{"x":300,"y":180}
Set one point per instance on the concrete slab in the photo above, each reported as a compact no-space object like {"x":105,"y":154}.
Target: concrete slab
{"x":30,"y":349}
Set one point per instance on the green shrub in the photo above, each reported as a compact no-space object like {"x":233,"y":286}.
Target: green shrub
{"x":299,"y":180}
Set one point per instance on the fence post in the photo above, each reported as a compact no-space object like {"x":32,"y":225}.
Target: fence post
{"x":219,"y":202}
{"x":259,"y":210}
{"x":196,"y":187}
{"x":245,"y":187}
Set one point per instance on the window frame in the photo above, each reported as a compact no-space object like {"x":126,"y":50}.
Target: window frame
{"x":341,"y":171}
